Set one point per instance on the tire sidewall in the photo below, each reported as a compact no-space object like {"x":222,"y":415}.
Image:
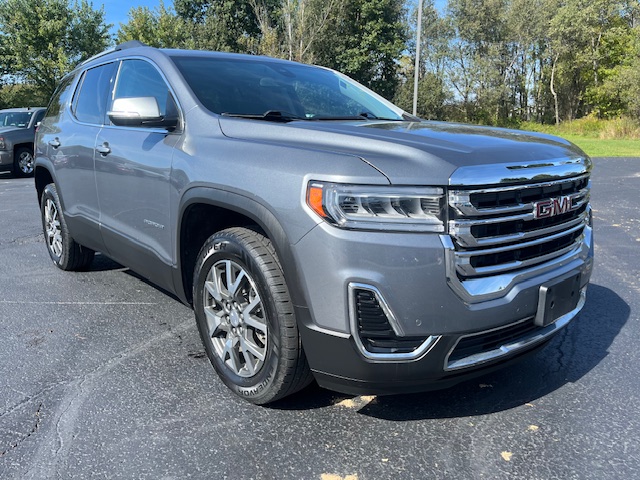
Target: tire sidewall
{"x":223,"y":246}
{"x":50,"y":193}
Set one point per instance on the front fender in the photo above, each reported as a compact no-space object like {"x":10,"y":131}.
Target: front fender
{"x":250,"y":208}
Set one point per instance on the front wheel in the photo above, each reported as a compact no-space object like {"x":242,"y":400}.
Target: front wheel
{"x":64,"y":251}
{"x":23,"y":162}
{"x":245,"y":317}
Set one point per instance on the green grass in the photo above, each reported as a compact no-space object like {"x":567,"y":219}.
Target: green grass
{"x":598,"y":138}
{"x":597,"y":147}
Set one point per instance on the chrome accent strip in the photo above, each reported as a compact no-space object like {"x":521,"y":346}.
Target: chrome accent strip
{"x":460,"y":200}
{"x":479,"y":175}
{"x":467,"y":270}
{"x":524,"y":342}
{"x":475,"y":290}
{"x":461,"y":230}
{"x":417,"y":354}
{"x":464,"y":257}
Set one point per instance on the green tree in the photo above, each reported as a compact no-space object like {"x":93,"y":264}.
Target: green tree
{"x":432,"y":97}
{"x":42,"y":40}
{"x":222,"y":25}
{"x":160,"y":28}
{"x":365,"y":39}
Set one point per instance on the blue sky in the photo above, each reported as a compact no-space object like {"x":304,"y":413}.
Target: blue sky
{"x":116,"y":10}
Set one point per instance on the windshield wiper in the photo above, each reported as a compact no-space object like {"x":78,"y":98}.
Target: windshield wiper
{"x":361,"y":116}
{"x":269,"y":115}
{"x":339,"y":117}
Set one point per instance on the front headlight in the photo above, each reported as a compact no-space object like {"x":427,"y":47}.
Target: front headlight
{"x":372,"y":207}
{"x":3,"y":146}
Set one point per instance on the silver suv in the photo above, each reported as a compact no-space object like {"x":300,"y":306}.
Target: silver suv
{"x":319,"y":231}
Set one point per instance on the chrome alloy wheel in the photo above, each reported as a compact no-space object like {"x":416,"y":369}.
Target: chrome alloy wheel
{"x":236,"y":318}
{"x":25,"y":162}
{"x":52,"y":227}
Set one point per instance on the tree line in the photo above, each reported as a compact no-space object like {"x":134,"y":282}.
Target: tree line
{"x":495,"y":62}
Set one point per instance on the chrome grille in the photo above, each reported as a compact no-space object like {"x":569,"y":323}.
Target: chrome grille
{"x":496,"y":230}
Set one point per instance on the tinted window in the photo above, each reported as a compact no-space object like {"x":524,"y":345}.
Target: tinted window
{"x":254,"y":86}
{"x":138,"y":78}
{"x":39,"y":117}
{"x":55,"y":110}
{"x":15,"y":119}
{"x":90,"y":104}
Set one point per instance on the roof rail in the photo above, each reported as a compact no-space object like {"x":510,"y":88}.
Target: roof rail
{"x":122,"y":46}
{"x":130,"y":44}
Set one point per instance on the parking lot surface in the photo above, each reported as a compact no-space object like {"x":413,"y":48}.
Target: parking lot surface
{"x":102,"y":375}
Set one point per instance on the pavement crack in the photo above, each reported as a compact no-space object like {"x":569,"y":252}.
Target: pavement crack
{"x":54,"y":450}
{"x":31,"y":398}
{"x":34,"y":429}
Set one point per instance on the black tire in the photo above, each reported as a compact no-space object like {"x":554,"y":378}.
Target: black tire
{"x":23,"y":162}
{"x":64,"y":251}
{"x":255,"y":314}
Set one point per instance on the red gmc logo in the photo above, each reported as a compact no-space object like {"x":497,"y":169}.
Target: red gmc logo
{"x":554,"y":206}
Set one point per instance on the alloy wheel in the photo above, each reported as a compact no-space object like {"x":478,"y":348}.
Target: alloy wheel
{"x":52,"y":227}
{"x":25,"y":163}
{"x":236,"y":319}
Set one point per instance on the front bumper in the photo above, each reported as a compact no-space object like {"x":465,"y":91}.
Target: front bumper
{"x":410,"y":273}
{"x":6,"y":160}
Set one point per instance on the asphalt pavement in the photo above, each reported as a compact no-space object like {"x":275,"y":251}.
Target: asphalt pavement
{"x":102,"y":375}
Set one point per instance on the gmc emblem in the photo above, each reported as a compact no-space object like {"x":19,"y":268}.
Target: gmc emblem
{"x":555,"y":206}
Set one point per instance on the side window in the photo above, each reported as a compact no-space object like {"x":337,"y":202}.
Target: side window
{"x":138,"y":78}
{"x":39,"y":117}
{"x":56,"y":109}
{"x":90,"y":102}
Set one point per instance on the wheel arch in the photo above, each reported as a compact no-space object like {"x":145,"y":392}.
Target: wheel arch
{"x":206,"y":210}
{"x":18,"y":146}
{"x":42,"y":177}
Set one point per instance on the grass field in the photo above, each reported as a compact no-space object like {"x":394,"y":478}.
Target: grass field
{"x":597,"y":147}
{"x":598,"y":138}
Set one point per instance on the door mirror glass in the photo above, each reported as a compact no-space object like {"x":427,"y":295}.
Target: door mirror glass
{"x":139,"y":112}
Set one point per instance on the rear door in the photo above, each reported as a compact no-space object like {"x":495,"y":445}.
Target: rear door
{"x":68,"y":136}
{"x":133,"y":167}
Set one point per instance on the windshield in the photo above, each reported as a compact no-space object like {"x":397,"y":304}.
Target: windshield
{"x":15,"y":119}
{"x":256,"y":87}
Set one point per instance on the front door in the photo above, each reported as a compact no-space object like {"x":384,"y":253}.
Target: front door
{"x":133,"y":168}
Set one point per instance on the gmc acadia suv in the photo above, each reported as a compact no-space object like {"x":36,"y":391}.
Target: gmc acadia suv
{"x":318,"y":230}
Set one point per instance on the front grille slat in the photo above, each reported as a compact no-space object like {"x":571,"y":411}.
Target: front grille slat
{"x":496,"y":230}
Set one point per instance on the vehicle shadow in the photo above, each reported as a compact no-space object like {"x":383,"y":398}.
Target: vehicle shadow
{"x":573,"y":353}
{"x":102,"y":263}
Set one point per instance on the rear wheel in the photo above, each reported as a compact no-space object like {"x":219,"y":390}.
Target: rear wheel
{"x":65,"y":252}
{"x":23,"y":162}
{"x":245,"y":317}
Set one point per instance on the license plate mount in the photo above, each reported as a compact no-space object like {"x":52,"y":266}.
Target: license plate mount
{"x":557,"y":299}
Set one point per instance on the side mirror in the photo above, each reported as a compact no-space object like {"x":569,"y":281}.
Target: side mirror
{"x":139,"y":112}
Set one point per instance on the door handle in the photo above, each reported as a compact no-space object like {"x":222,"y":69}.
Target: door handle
{"x":55,"y":143}
{"x":103,"y":149}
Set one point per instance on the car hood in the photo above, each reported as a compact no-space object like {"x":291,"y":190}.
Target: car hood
{"x":412,"y":153}
{"x":10,"y":129}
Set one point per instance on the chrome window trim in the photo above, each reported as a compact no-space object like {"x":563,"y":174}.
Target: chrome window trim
{"x":416,"y":355}
{"x":528,"y":340}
